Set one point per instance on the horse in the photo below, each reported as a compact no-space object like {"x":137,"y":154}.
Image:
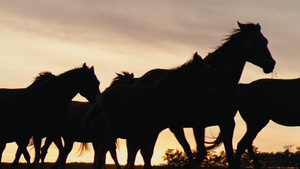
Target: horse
{"x":42,"y":108}
{"x":73,"y":131}
{"x":22,"y":142}
{"x":205,"y":90}
{"x":263,"y":100}
{"x":151,"y":77}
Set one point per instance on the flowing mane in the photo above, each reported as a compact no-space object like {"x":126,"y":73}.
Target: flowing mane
{"x":236,"y":33}
{"x":124,"y":78}
{"x":192,"y":66}
{"x":68,"y":74}
{"x":42,"y":77}
{"x":195,"y":60}
{"x":228,"y":41}
{"x":121,"y":76}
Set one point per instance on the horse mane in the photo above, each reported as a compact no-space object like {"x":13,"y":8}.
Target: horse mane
{"x":42,"y":77}
{"x":194,"y":60}
{"x":70,"y":73}
{"x":235,"y":34}
{"x":121,"y":76}
{"x":248,"y":27}
{"x":190,"y":66}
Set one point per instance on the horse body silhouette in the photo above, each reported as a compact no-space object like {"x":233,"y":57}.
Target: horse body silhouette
{"x":204,"y":90}
{"x":42,"y":108}
{"x":264,"y":100}
{"x":152,"y":77}
{"x":73,"y":130}
{"x":23,"y":142}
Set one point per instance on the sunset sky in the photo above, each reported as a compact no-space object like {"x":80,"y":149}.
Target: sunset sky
{"x":136,"y":36}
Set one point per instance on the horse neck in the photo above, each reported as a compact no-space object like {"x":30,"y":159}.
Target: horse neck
{"x":65,"y":87}
{"x":227,"y":63}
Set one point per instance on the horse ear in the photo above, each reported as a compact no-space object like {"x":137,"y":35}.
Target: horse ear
{"x":258,"y":27}
{"x":196,"y":56}
{"x":84,"y":65}
{"x":92,"y":68}
{"x":132,"y":75}
{"x":242,"y":26}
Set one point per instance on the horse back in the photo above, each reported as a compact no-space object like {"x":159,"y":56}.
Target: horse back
{"x":270,"y":99}
{"x":151,"y":76}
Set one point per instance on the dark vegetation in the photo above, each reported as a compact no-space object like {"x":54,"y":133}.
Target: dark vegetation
{"x":213,"y":160}
{"x":86,"y":166}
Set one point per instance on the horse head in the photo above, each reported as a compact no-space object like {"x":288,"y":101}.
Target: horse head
{"x":255,"y":47}
{"x":89,"y":83}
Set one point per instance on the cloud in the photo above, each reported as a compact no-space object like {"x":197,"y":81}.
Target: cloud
{"x":136,"y":35}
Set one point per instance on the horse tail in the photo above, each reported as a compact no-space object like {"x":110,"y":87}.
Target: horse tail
{"x":216,"y":143}
{"x":83,"y":147}
{"x":31,"y":143}
{"x":117,"y":144}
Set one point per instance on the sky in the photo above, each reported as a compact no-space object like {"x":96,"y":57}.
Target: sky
{"x":137,"y":36}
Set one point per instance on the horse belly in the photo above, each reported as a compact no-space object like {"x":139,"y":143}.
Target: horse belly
{"x":284,"y":113}
{"x":287,"y":119}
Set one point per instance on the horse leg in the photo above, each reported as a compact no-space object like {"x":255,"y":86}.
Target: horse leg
{"x":100,"y":149}
{"x":147,"y":150}
{"x":44,"y":151}
{"x":113,"y":155}
{"x":21,"y":150}
{"x":227,"y":129}
{"x":62,"y":158}
{"x":37,"y":149}
{"x":58,"y":143}
{"x":179,"y":134}
{"x":17,"y":158}
{"x":246,"y":142}
{"x":199,"y":134}
{"x":132,"y":149}
{"x":96,"y":155}
{"x":2,"y":147}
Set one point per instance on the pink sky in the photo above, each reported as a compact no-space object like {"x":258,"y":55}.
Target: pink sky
{"x":137,"y":36}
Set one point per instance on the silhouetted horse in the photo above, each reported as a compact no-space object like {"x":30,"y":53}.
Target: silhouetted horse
{"x":196,"y":94}
{"x":264,"y":100}
{"x":73,"y":131}
{"x":23,"y":142}
{"x":152,"y":77}
{"x":43,"y":107}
